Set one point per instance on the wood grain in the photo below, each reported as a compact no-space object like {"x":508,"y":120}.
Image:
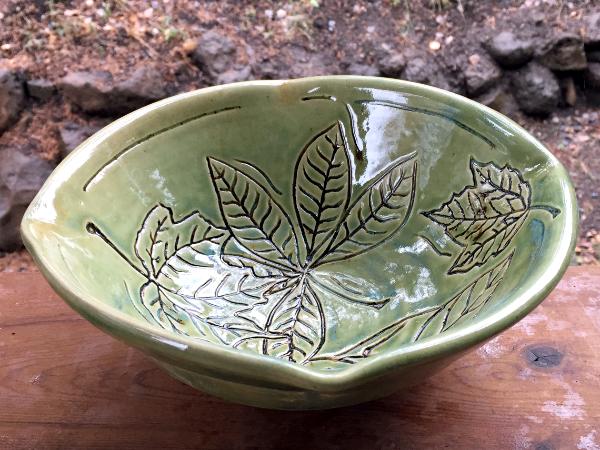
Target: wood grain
{"x":66,"y":385}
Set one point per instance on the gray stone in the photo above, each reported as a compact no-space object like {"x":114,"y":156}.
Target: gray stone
{"x":591,"y":29}
{"x":564,"y":52}
{"x":97,"y":93}
{"x":481,"y":76}
{"x":307,"y":64}
{"x":215,"y":53}
{"x":536,"y":89}
{"x":72,"y":134}
{"x":311,"y":68}
{"x":422,"y":69}
{"x":592,"y":76}
{"x":362,"y":69}
{"x":22,"y":173}
{"x":12,"y":98}
{"x":145,"y":85}
{"x":392,"y":64}
{"x":416,"y":70}
{"x":593,"y":56}
{"x":41,"y":89}
{"x":234,"y":75}
{"x":509,"y":50}
{"x":500,"y":99}
{"x":89,"y":91}
{"x":592,"y":84}
{"x":268,"y":70}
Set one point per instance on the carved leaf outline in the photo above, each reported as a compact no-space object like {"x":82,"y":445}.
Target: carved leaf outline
{"x":161,"y":236}
{"x":378,"y":213}
{"x":467,"y":303}
{"x":485,"y":217}
{"x":296,"y":324}
{"x":247,"y":281}
{"x":173,"y":311}
{"x":254,"y":218}
{"x":161,"y":309}
{"x":322,"y":183}
{"x":194,"y":285}
{"x":234,"y":255}
{"x":344,"y":287}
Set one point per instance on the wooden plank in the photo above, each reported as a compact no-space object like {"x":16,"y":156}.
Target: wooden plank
{"x":64,"y":384}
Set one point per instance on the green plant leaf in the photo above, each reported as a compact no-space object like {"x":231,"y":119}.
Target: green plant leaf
{"x":321,"y":187}
{"x":484,"y":218}
{"x":381,"y":210}
{"x":253,"y":216}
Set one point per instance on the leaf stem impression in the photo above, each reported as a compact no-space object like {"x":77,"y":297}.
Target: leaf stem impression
{"x":92,"y":228}
{"x":549,"y":209}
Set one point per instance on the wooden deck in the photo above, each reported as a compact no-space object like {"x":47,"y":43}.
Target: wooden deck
{"x":66,"y":385}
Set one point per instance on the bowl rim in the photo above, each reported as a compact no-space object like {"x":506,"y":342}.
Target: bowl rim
{"x":180,"y":348}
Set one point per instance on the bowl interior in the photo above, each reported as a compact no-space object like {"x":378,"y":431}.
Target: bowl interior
{"x":323,"y":221}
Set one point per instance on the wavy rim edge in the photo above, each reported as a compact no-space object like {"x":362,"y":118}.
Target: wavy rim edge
{"x":192,"y":351}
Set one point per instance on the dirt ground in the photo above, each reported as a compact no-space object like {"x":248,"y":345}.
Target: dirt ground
{"x":48,"y":39}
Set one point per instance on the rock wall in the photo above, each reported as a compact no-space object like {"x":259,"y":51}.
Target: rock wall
{"x":531,"y":70}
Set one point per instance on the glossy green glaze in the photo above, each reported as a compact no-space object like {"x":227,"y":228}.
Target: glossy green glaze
{"x":305,"y":244}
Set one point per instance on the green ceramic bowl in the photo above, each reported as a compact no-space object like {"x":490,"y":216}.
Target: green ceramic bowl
{"x":305,"y":244}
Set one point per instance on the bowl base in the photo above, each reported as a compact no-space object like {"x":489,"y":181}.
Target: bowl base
{"x":300,"y":399}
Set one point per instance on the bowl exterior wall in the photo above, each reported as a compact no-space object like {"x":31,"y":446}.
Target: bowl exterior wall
{"x":292,"y":399}
{"x":445,"y":224}
{"x":251,"y":390}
